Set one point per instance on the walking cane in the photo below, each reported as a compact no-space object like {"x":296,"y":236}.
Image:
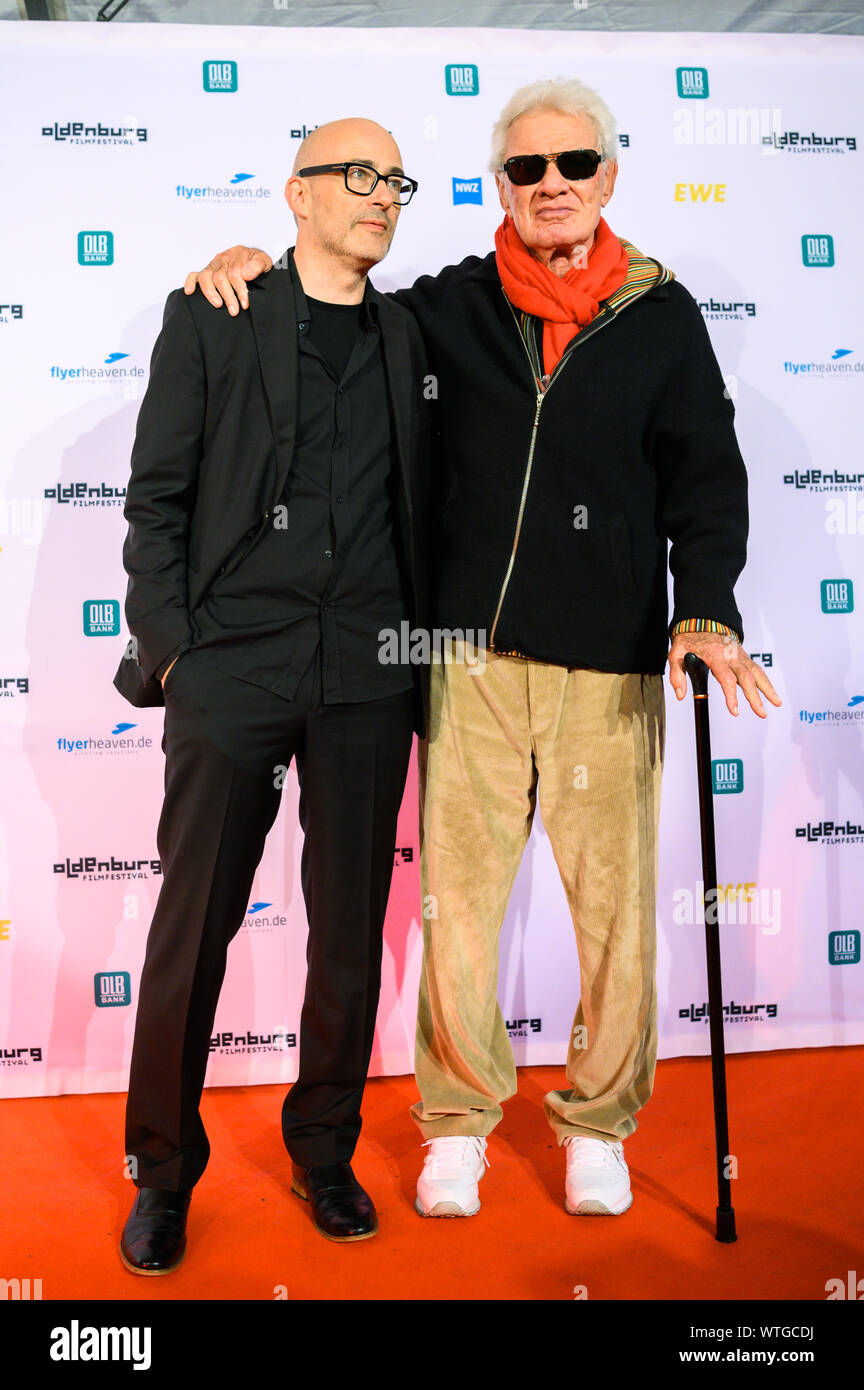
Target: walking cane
{"x":725,"y":1218}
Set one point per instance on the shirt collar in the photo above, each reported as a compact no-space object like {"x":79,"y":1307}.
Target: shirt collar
{"x":369,"y":302}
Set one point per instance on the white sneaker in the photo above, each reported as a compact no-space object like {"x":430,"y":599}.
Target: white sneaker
{"x":597,"y":1181}
{"x":453,"y":1167}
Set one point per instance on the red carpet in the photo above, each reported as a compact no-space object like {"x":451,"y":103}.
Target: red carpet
{"x":795,"y":1127}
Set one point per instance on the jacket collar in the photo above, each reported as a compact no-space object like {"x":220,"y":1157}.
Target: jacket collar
{"x":285,"y":269}
{"x":278,"y":295}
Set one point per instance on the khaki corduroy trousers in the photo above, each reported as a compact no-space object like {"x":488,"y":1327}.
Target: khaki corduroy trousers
{"x":591,"y":745}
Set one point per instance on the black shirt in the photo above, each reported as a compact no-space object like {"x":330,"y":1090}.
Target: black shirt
{"x":327,"y":570}
{"x":334,"y":329}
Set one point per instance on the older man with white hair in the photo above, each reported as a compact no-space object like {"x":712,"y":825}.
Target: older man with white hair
{"x":583,"y":423}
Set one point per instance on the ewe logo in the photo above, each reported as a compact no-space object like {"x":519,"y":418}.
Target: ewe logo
{"x":112,"y":989}
{"x":220,"y":75}
{"x":692,"y":82}
{"x":101,"y":617}
{"x":467,"y":190}
{"x":95,"y":248}
{"x":700,"y":193}
{"x":837,"y":596}
{"x":817,"y":249}
{"x":844,"y":947}
{"x":727,"y":775}
{"x":461,"y":80}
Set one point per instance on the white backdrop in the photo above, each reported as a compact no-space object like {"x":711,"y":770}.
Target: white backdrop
{"x":739,"y":168}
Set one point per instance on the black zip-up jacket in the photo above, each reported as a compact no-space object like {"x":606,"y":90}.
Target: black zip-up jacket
{"x":635,"y":426}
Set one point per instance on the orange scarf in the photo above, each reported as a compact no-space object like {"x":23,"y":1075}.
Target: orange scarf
{"x":565,"y":303}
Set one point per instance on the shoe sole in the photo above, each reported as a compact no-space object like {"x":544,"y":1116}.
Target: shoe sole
{"x":592,"y":1206}
{"x":445,"y":1209}
{"x":134,"y":1269}
{"x":340,"y":1240}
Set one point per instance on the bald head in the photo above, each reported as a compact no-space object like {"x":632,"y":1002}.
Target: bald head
{"x":339,"y":229}
{"x":353,"y":138}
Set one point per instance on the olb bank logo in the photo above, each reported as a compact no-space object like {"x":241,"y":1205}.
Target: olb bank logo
{"x":837,"y":596}
{"x":95,"y":248}
{"x":101,"y":617}
{"x":112,"y":988}
{"x":692,"y":82}
{"x":844,"y":947}
{"x":817,"y":249}
{"x":727,"y":775}
{"x":461,"y":80}
{"x":220,"y":76}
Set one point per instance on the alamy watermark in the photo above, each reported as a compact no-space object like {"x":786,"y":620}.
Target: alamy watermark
{"x":420,"y":646}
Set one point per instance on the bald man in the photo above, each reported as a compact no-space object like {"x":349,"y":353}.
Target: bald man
{"x":277,"y":485}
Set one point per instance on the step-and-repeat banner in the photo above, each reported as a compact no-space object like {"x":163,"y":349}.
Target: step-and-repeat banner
{"x":131,"y":154}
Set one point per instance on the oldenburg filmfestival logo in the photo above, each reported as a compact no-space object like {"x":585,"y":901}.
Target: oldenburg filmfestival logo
{"x":95,"y":248}
{"x":220,"y":75}
{"x":692,"y":82}
{"x":77,"y":133}
{"x":461,"y":80}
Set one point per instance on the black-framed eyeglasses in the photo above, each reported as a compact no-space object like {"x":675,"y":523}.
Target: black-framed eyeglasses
{"x":573,"y":165}
{"x":363,"y":179}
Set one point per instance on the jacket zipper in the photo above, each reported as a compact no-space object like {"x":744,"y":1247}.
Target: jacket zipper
{"x":541,"y":395}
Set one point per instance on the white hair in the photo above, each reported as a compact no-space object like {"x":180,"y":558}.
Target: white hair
{"x":566,"y":95}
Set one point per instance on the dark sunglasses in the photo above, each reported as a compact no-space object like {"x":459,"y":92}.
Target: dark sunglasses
{"x":572,"y":165}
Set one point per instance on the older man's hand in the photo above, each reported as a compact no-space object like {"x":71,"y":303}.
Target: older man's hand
{"x":223,"y":281}
{"x":728,"y":661}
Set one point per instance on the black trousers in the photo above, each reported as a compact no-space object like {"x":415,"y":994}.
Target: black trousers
{"x":224,"y":740}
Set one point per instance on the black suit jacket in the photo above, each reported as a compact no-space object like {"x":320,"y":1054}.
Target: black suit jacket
{"x":213,"y":449}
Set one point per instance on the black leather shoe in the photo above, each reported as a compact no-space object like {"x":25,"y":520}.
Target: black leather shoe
{"x":341,"y":1210}
{"x":154,"y":1237}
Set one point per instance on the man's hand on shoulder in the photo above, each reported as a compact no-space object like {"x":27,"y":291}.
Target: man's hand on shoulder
{"x":224,"y":280}
{"x":728,"y":662}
